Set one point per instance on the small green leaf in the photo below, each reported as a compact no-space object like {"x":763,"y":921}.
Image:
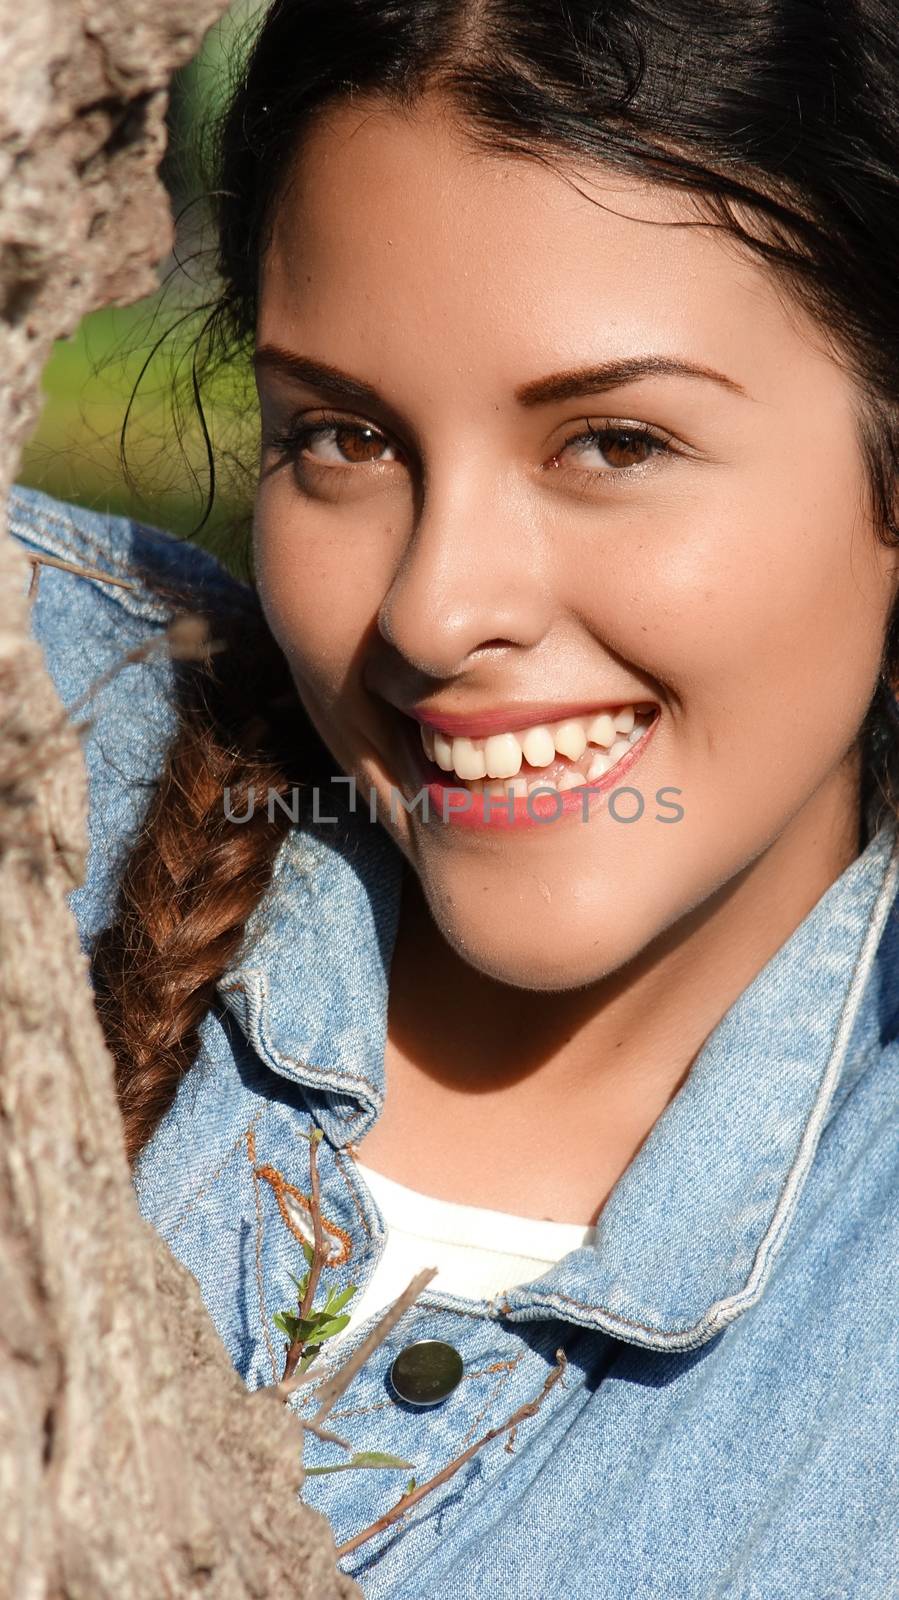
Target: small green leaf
{"x":410,"y":1485}
{"x":317,"y":1319}
{"x":336,"y":1325}
{"x":365,"y":1458}
{"x":305,"y":1329}
{"x":336,"y":1302}
{"x":287,"y":1324}
{"x":326,"y":1330}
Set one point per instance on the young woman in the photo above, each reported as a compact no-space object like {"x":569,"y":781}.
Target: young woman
{"x":533,"y":837}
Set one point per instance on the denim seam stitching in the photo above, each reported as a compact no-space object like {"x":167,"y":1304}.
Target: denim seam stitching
{"x":726,"y":1311}
{"x":212,"y":1177}
{"x":261,"y":997}
{"x":64,"y":525}
{"x":280,"y":1186}
{"x":137,"y":603}
{"x":350,"y":1184}
{"x":812,"y":1131}
{"x":260,"y":1275}
{"x":491,"y":1398}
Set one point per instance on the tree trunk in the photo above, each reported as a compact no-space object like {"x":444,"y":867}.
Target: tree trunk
{"x":133,"y":1463}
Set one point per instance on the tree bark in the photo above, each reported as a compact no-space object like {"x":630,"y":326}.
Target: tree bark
{"x":133,"y":1463}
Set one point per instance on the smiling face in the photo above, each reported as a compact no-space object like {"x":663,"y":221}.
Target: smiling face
{"x":529,"y":461}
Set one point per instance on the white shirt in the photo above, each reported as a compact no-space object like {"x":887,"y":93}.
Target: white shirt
{"x":478,"y":1253}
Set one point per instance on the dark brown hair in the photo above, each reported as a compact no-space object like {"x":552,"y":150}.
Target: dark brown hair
{"x":192,"y":877}
{"x":785,"y":112}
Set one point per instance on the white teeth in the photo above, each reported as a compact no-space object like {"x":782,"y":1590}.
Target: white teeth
{"x":500,"y":756}
{"x":601,"y":730}
{"x":502,"y":753}
{"x":495,"y":788}
{"x":598,"y":767}
{"x":604,"y":760}
{"x":571,"y":740}
{"x":518,"y":787}
{"x":468,"y":762}
{"x":443,"y":752}
{"x":570,"y":780}
{"x":538,"y":747}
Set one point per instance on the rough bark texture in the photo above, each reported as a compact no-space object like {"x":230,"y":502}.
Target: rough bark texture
{"x":133,"y":1463}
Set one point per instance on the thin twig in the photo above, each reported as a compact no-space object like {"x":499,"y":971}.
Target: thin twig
{"x":81,"y":572}
{"x":186,"y":638}
{"x":406,"y":1501}
{"x":340,"y":1380}
{"x":319,"y":1251}
{"x":325,"y":1435}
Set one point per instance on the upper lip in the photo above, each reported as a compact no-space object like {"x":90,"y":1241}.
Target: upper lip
{"x":520,"y":714}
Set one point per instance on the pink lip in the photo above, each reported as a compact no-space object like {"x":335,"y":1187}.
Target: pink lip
{"x":530,"y":810}
{"x":524,"y":714}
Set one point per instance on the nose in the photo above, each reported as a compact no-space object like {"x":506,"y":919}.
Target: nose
{"x":473,"y":573}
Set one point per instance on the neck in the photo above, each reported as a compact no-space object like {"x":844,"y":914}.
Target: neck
{"x":513,"y":1077}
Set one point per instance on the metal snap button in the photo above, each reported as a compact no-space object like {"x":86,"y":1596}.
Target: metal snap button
{"x":426,"y":1372}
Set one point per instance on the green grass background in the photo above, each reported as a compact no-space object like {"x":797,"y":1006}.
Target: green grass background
{"x":75,"y":450}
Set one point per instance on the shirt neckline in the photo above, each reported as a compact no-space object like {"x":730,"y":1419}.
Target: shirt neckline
{"x":474,"y":1227}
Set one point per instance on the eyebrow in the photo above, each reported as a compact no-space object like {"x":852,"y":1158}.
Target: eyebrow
{"x":540,"y":391}
{"x":613,"y":375}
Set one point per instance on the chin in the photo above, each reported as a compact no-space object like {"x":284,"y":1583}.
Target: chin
{"x":550,"y":949}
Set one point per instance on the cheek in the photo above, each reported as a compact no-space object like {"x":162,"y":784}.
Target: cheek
{"x":745,"y":591}
{"x":759,"y":610}
{"x":320,"y":603}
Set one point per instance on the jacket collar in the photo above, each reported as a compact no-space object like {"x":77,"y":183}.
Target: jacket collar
{"x":309,"y":987}
{"x":688,"y":1236}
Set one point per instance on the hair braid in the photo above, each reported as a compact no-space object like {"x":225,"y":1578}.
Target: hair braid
{"x":193,"y":877}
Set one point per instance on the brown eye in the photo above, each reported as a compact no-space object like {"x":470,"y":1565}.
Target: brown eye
{"x":352,"y":444}
{"x":613,"y":448}
{"x":358,"y":445}
{"x":331,"y":443}
{"x":626,"y":449}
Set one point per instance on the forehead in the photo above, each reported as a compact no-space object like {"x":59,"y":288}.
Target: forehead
{"x":394,"y":223}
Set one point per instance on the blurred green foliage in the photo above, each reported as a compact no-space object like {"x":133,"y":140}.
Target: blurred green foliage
{"x":90,"y":379}
{"x":160,"y":472}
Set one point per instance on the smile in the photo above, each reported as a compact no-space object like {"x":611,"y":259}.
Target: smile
{"x":562,"y":755}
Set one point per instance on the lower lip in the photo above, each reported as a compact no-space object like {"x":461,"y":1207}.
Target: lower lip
{"x":528,"y":811}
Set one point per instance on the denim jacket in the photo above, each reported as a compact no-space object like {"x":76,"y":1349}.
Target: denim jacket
{"x":725,"y":1428}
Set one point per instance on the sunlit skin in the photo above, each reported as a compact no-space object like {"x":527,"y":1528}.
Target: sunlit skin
{"x":551,"y":986}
